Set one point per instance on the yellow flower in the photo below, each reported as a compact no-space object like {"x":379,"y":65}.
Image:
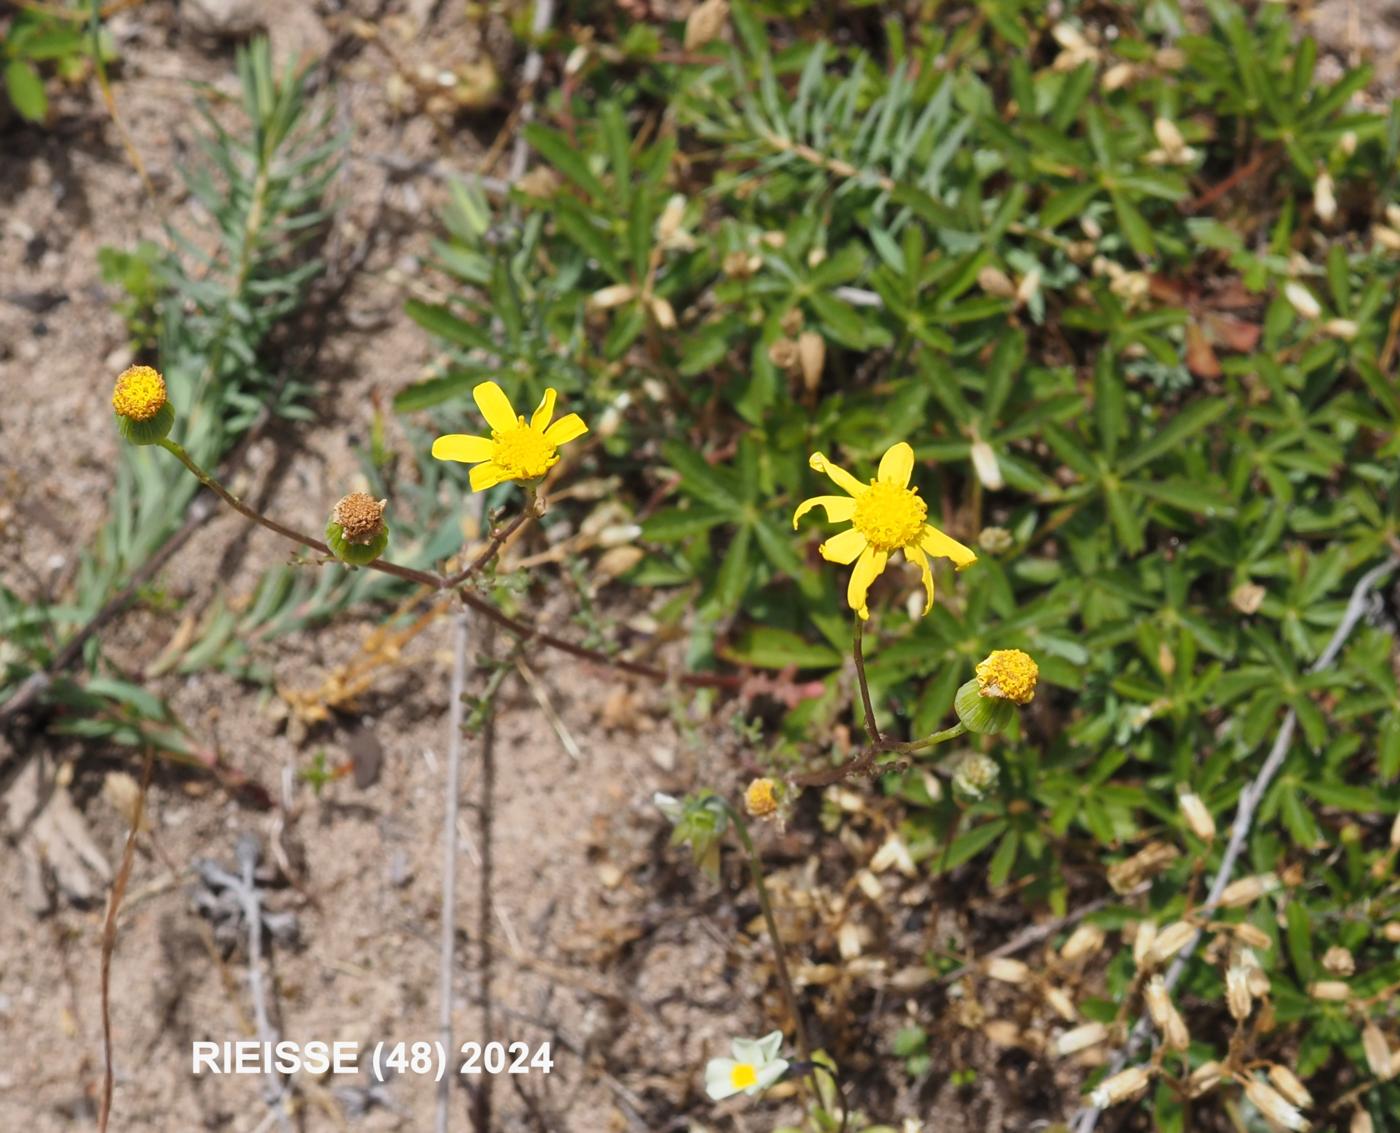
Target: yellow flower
{"x":516,"y":449}
{"x":885,"y":515}
{"x":1008,"y":674}
{"x":139,"y":394}
{"x":760,"y":800}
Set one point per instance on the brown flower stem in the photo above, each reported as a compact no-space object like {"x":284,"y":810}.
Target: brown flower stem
{"x":779,"y":958}
{"x":534,"y":508}
{"x":437,"y":582}
{"x":872,"y":729}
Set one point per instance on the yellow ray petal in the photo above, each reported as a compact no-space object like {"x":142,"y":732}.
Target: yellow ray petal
{"x":844,"y":548}
{"x":487,"y":475}
{"x":919,"y":559}
{"x":565,"y":429}
{"x":839,"y":509}
{"x":868,"y":568}
{"x":896,"y":465}
{"x":495,"y":406}
{"x":545,"y":413}
{"x":464,"y":448}
{"x":839,"y":476}
{"x":941,"y":546}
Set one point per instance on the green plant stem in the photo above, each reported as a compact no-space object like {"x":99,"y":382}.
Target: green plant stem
{"x":436,"y":582}
{"x":930,"y":741}
{"x":779,"y":956}
{"x":872,"y":729}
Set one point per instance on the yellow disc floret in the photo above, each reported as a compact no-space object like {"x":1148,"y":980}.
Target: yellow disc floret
{"x":139,"y":394}
{"x":524,"y":453}
{"x":889,"y":517}
{"x":1008,"y":674}
{"x":743,"y":1076}
{"x":760,"y":800}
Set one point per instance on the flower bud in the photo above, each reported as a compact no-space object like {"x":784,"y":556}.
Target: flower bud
{"x":357,"y":533}
{"x":760,"y":800}
{"x":144,"y":416}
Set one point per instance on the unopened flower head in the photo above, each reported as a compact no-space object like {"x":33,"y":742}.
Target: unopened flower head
{"x":760,"y":799}
{"x":144,"y":414}
{"x":754,"y":1067}
{"x":886,"y":515}
{"x":356,"y":532}
{"x":516,"y":449}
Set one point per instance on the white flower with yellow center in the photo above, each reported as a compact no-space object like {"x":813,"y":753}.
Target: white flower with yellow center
{"x":886,"y":515}
{"x":754,"y":1067}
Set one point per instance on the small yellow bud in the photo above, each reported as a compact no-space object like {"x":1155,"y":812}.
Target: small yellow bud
{"x":144,"y":416}
{"x":760,"y":800}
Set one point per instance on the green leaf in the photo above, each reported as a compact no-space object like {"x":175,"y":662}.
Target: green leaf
{"x":700,"y":479}
{"x":967,"y":846}
{"x":26,"y":90}
{"x":768,"y":647}
{"x":566,"y":157}
{"x":443,"y":323}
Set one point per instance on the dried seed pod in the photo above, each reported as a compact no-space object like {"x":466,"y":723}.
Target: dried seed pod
{"x":614,"y":296}
{"x":1204,"y":1078}
{"x":1143,"y":940}
{"x":1301,"y":300}
{"x":1080,"y":1038}
{"x":1252,"y":935}
{"x":705,"y":23}
{"x":996,"y":282}
{"x":1238,"y":996}
{"x":1170,"y":941}
{"x":1002,"y":1032}
{"x":1274,"y":1106}
{"x":1151,"y":860}
{"x":1247,"y":890}
{"x":1377,"y":1050}
{"x":1197,"y":816}
{"x":1165,"y":1016}
{"x":1083,"y":942}
{"x":1126,"y":1086}
{"x":811,"y":352}
{"x":1361,"y":1122}
{"x":1007,"y":971}
{"x":1333,"y":991}
{"x":1059,"y":1001}
{"x":1339,"y":961}
{"x":1286,"y":1082}
{"x":1324,"y":198}
{"x":1392,"y":932}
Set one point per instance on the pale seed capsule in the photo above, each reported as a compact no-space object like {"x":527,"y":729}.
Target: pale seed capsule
{"x":1083,"y":942}
{"x":1333,"y":991}
{"x":1151,"y":860}
{"x":1286,"y":1082}
{"x":1197,"y":816}
{"x":1392,"y":932}
{"x":1345,"y":329}
{"x":1324,"y":198}
{"x":1258,"y":978}
{"x":1170,"y":941}
{"x":1252,"y":935}
{"x":1126,"y":1086}
{"x":811,"y":351}
{"x":1247,"y":890}
{"x":1143,"y":941}
{"x":1081,"y":1038}
{"x":1377,"y":1052}
{"x":1008,"y":971}
{"x":996,"y":282}
{"x":1059,"y":1002}
{"x":1392,"y":215}
{"x":1274,"y":1106}
{"x":1395,"y":833}
{"x":1237,"y":993}
{"x":1302,"y":300}
{"x":1339,"y":961}
{"x":1165,"y":1016}
{"x":1361,"y":1122}
{"x":1002,"y":1032}
{"x":1204,"y":1078}
{"x":1387,"y":238}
